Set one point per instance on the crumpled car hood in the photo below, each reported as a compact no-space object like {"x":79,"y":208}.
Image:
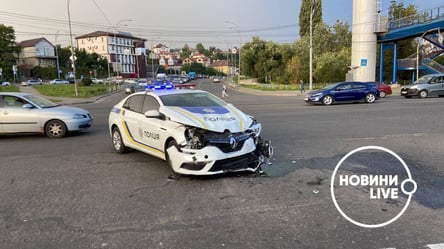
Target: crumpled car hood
{"x":217,"y":118}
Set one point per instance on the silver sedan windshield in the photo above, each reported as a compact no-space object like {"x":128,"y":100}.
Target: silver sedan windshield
{"x":40,"y":101}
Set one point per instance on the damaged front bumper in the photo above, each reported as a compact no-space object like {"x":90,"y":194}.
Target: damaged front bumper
{"x":211,"y":160}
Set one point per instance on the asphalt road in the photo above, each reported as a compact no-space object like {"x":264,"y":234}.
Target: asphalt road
{"x":76,"y":192}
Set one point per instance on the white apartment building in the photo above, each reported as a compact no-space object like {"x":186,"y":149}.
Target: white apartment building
{"x":125,"y":52}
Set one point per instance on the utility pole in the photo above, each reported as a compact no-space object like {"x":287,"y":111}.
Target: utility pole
{"x":311,"y":45}
{"x":72,"y":51}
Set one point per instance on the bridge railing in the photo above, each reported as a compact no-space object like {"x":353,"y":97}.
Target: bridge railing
{"x":419,"y":18}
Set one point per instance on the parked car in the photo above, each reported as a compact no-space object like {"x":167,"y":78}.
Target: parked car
{"x":133,"y":87}
{"x":427,"y":85}
{"x":96,"y":81}
{"x":384,"y":89}
{"x":194,"y":131}
{"x":31,"y":82}
{"x":27,"y":113}
{"x":58,"y":81}
{"x":344,"y":92}
{"x":5,"y":83}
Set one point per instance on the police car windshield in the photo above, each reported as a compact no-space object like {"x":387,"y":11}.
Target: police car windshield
{"x":191,"y":100}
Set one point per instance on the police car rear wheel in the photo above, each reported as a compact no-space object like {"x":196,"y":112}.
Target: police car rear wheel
{"x":118,"y":144}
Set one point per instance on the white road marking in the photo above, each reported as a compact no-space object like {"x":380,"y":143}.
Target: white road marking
{"x":436,"y":246}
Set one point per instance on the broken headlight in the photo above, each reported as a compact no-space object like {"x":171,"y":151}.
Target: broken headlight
{"x":195,"y":138}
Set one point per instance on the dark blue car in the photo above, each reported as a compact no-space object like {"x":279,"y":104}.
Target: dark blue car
{"x":344,"y":92}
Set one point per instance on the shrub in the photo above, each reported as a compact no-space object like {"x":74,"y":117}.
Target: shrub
{"x":85,"y":82}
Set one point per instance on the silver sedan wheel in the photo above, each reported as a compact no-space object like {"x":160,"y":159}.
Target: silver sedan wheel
{"x":55,"y":129}
{"x":423,"y":94}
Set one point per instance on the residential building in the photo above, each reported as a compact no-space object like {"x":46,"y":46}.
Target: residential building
{"x":198,"y":58}
{"x":36,"y":52}
{"x":125,"y":52}
{"x":159,"y":48}
{"x":222,"y":66}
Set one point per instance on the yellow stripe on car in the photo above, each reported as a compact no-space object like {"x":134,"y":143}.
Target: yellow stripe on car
{"x":237,"y":115}
{"x":191,"y":116}
{"x":130,"y":137}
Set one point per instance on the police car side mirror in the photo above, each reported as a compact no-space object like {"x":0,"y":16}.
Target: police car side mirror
{"x":152,"y":114}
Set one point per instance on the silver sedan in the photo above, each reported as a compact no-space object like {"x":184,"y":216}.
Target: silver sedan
{"x":27,"y":113}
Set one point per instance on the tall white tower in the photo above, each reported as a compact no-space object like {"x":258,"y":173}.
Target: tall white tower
{"x":363,"y":64}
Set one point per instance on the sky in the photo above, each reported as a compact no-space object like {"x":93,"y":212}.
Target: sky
{"x":222,"y":24}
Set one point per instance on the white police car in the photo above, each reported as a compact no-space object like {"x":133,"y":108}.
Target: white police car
{"x":194,"y":131}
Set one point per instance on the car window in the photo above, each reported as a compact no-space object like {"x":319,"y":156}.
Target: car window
{"x":134,"y":103}
{"x":344,"y":87}
{"x":424,"y":80}
{"x":150,"y":103}
{"x":13,"y":102}
{"x":358,"y":85}
{"x":437,"y":80}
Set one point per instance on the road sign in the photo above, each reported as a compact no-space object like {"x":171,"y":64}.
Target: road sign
{"x":363,"y":62}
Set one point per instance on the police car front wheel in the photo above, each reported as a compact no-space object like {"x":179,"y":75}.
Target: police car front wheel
{"x":118,"y":144}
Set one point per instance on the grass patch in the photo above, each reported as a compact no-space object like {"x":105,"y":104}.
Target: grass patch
{"x":69,"y":90}
{"x":9,"y":88}
{"x":281,"y":87}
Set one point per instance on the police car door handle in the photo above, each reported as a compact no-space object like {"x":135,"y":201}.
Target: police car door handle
{"x":163,"y":129}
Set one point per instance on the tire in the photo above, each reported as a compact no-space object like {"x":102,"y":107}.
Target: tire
{"x":55,"y":129}
{"x":117,"y":140}
{"x":382,"y":94}
{"x":327,"y":100}
{"x":423,"y":94}
{"x":370,"y":98}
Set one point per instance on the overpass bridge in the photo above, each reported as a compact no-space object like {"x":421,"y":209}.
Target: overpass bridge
{"x":428,"y":27}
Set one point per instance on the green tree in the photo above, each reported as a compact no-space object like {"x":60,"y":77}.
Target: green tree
{"x":332,"y":66}
{"x":342,"y":36}
{"x":200,"y":48}
{"x":8,"y":50}
{"x":293,"y":70}
{"x":308,"y":7}
{"x":194,"y":67}
{"x":186,"y":52}
{"x":398,"y":11}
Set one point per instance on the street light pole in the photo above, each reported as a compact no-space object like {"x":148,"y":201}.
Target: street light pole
{"x":57,"y":55}
{"x":115,"y":41}
{"x":72,"y":51}
{"x":240,"y":45}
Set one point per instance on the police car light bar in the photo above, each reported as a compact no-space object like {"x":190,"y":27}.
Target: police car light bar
{"x":160,"y":86}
